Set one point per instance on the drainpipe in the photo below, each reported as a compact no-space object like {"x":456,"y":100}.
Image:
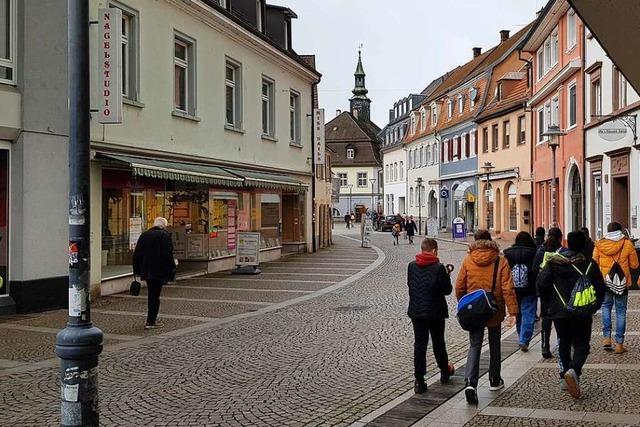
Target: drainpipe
{"x":583,"y":50}
{"x":532,"y":224}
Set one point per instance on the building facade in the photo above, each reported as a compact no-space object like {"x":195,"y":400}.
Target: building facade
{"x":355,"y":140}
{"x":556,"y":45}
{"x":612,"y":184}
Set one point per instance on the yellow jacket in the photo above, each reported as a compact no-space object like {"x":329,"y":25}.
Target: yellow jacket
{"x":621,"y":251}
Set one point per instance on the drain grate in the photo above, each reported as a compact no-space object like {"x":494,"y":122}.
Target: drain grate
{"x":349,"y":308}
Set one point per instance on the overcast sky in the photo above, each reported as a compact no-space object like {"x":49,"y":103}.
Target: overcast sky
{"x":407,"y":43}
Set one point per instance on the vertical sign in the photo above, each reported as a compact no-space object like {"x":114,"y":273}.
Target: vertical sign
{"x":110,"y":65}
{"x":318,"y":140}
{"x":231,"y":224}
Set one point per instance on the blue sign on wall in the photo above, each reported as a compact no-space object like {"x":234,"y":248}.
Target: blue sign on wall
{"x":444,"y":193}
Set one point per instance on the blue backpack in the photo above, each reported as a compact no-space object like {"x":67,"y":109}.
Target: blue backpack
{"x":478,"y":307}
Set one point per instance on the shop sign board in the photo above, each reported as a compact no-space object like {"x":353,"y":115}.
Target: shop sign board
{"x":444,"y":193}
{"x":248,"y":249}
{"x":231,"y":224}
{"x":367,"y":231}
{"x":432,"y":227}
{"x":612,"y":131}
{"x":458,"y":229}
{"x":110,"y":65}
{"x":135,"y":230}
{"x":318,"y":136}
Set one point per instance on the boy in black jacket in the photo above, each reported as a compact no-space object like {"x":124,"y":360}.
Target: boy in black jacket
{"x":429,"y":283}
{"x":555,"y":284}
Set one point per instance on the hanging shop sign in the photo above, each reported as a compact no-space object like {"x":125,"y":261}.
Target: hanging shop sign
{"x":612,"y":131}
{"x":248,"y":249}
{"x":444,"y":193}
{"x":318,"y":136}
{"x":110,"y":65}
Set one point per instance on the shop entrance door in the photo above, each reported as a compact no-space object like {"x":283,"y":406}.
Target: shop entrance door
{"x":620,"y":200}
{"x":290,"y":218}
{"x":4,"y":222}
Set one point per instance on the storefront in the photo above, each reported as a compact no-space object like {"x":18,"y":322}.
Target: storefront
{"x":206,"y":206}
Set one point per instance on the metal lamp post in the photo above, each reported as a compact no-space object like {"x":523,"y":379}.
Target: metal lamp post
{"x":372,"y":181}
{"x":79,"y":344}
{"x":554,"y":133}
{"x":350,"y":201}
{"x":419,"y":189}
{"x":488,"y":167}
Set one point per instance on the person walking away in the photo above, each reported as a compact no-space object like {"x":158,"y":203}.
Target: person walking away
{"x":551,"y":245}
{"x":616,"y":256}
{"x":395,"y":232}
{"x":347,"y":220}
{"x":411,"y":228}
{"x":520,"y":257}
{"x":589,"y":245}
{"x":429,"y":283}
{"x":153,"y":261}
{"x":572,"y":289}
{"x":482,"y":267}
{"x":539,"y":238}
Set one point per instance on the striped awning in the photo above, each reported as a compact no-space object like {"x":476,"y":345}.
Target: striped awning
{"x":269,"y":180}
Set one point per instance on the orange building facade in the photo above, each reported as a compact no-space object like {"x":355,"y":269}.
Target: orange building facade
{"x":557,"y":48}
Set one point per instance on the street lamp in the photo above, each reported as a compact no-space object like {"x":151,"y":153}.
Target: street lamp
{"x":372,"y":181}
{"x":350,"y":201}
{"x":488,"y":167}
{"x":419,"y":190}
{"x":554,"y":133}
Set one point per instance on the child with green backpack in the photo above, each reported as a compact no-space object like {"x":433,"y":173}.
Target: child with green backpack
{"x":572,"y":288}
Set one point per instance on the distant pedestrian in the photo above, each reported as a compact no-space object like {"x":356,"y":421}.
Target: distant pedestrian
{"x":353,"y":220}
{"x":572,"y":289}
{"x":551,"y":245}
{"x":616,"y":257}
{"x":589,"y":245}
{"x":411,"y":229}
{"x":520,"y":257}
{"x":429,"y":283}
{"x":153,"y":261}
{"x":395,"y":232}
{"x":539,"y":238}
{"x":347,"y":220}
{"x":484,"y":268}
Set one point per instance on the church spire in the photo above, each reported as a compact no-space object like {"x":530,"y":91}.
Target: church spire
{"x":359,"y":102}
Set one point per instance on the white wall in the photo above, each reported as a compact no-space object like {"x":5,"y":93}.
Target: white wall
{"x":428,"y":171}
{"x":394,"y":188}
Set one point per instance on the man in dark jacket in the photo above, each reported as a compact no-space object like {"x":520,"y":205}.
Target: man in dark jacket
{"x":555,"y":284}
{"x":429,"y":283}
{"x":411,"y":228}
{"x":153,"y":262}
{"x":539,"y":238}
{"x":589,"y":245}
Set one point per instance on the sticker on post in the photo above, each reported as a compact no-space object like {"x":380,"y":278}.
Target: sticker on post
{"x":77,"y":210}
{"x":70,"y":392}
{"x":73,"y":254}
{"x":77,"y":301}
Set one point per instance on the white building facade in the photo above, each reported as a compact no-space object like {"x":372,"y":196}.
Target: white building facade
{"x":395,"y":180}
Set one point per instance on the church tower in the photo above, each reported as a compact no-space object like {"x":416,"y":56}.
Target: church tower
{"x":360,"y":104}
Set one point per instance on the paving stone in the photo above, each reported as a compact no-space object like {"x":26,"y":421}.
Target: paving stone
{"x":498,"y":421}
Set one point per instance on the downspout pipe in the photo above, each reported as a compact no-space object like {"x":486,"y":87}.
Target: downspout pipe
{"x":533,"y":225}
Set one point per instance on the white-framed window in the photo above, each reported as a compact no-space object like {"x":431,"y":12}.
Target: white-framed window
{"x":554,"y":48}
{"x":473,"y":143}
{"x":233,"y":94}
{"x":386,"y":173}
{"x":540,"y":60}
{"x":513,"y":208}
{"x":409,"y":162}
{"x":572,"y":29}
{"x":456,"y":148}
{"x":548,"y":54}
{"x":445,"y":155}
{"x":555,"y":112}
{"x":436,"y":154}
{"x":413,"y":124}
{"x":411,"y":196}
{"x":351,"y":153}
{"x":572,"y":102}
{"x":449,"y":108}
{"x":541,"y":125}
{"x":401,"y":170}
{"x":434,"y":114}
{"x":421,"y":159}
{"x":268,"y":103}
{"x":460,"y":104}
{"x":294,"y":117}
{"x":343,"y":179}
{"x":429,"y":148}
{"x":596,"y":88}
{"x":395,"y":171}
{"x":619,"y":89}
{"x":362,"y":179}
{"x":8,"y":41}
{"x":184,"y":64}
{"x":423,"y":119}
{"x":130,"y":50}
{"x":522,"y":130}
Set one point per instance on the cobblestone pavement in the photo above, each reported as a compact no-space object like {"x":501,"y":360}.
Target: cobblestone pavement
{"x":328,"y":360}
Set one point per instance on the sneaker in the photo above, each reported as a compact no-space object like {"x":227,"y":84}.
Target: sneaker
{"x":445,"y":377}
{"x":573,"y":385}
{"x":496,"y":385}
{"x":524,"y":348}
{"x":471,"y":395}
{"x":606,"y":344}
{"x":620,"y":348}
{"x":563,"y":385}
{"x":419,"y":387}
{"x":156,"y":325}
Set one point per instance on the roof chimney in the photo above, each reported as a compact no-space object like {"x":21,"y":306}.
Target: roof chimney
{"x":504,"y":35}
{"x":338,"y":112}
{"x":477,"y":51}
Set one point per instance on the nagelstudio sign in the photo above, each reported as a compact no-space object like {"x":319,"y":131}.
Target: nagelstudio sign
{"x":613,"y":130}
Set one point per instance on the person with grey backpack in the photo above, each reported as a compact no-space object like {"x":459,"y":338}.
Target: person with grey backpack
{"x":520,"y":257}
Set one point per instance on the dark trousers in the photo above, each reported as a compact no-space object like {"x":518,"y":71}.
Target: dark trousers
{"x":154,"y":288}
{"x":473,"y":360}
{"x":574,"y":333}
{"x":421,"y":330}
{"x":546,"y":324}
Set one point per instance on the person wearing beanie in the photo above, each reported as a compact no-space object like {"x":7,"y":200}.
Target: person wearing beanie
{"x":539,"y":237}
{"x":429,"y":283}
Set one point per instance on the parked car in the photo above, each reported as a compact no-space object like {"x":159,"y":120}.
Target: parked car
{"x":388,"y":222}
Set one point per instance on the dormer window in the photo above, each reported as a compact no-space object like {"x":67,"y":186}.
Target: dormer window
{"x":460,"y":103}
{"x":434,"y":114}
{"x":423,"y":118}
{"x":413,"y":124}
{"x":473,"y":96}
{"x":351,"y":153}
{"x":498,"y":94}
{"x":449,"y":108}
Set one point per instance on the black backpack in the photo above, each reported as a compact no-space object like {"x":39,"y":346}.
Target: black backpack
{"x":615,"y":279}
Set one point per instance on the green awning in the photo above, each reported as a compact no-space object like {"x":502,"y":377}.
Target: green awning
{"x":269,"y":180}
{"x":177,"y":171}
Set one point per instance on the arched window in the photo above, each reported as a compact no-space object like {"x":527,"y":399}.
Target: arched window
{"x":423,"y":118}
{"x":421,"y":162}
{"x":422,"y":194}
{"x":436,"y":157}
{"x":429,"y":147}
{"x":513,"y":208}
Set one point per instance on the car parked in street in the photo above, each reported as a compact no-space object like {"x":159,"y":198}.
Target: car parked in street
{"x":388,"y":222}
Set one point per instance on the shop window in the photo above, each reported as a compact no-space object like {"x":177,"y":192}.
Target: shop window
{"x":7,"y":41}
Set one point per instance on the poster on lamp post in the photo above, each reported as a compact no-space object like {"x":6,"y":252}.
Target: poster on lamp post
{"x":110,"y":65}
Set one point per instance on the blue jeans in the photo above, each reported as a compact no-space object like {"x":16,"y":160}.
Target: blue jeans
{"x":526,"y":318}
{"x":620,"y":302}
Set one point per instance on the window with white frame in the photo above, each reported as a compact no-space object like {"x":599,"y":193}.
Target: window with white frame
{"x":351,"y":153}
{"x":395,"y":171}
{"x":130,"y":49}
{"x":445,"y":149}
{"x":522,"y":130}
{"x":506,"y":134}
{"x":8,"y":32}
{"x":362,"y":179}
{"x":456,"y":148}
{"x":547,"y":115}
{"x":423,"y":119}
{"x":572,"y":29}
{"x":541,"y":125}
{"x":386,"y":173}
{"x":401,"y":167}
{"x":573,"y":105}
{"x":294,"y":117}
{"x":473,"y":143}
{"x":460,"y":104}
{"x":619,"y":89}
{"x":540,"y":60}
{"x":547,"y":56}
{"x":411,"y":196}
{"x":555,"y":111}
{"x":449,"y":108}
{"x":436,"y":155}
{"x":513,"y":208}
{"x":184,"y":74}
{"x":409,"y":162}
{"x":268,"y":116}
{"x":466,"y":144}
{"x":413,"y":124}
{"x":429,"y":148}
{"x":343,"y":179}
{"x":233,"y":94}
{"x":421,"y":161}
{"x":434,"y":114}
